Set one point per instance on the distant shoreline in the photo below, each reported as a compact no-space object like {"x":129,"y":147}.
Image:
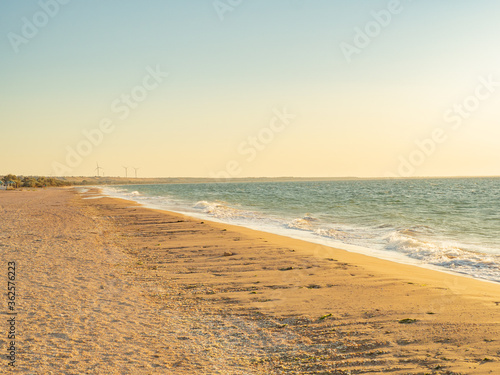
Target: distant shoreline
{"x":201,"y":180}
{"x":93,"y":181}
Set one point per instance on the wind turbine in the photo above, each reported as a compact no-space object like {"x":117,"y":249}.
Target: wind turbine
{"x":136,"y":172}
{"x":97,"y":169}
{"x":126,"y":170}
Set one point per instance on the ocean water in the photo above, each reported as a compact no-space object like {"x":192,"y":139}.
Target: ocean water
{"x":448,"y":224}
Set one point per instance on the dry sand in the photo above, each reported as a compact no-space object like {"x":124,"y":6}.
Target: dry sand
{"x":105,"y":286}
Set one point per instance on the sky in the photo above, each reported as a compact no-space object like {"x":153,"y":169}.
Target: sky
{"x":249,"y":88}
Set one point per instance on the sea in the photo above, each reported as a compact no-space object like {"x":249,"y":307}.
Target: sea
{"x":449,"y":224}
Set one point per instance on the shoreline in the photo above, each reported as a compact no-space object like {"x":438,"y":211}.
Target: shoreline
{"x":191,"y":296}
{"x":324,"y":251}
{"x":398,"y":258}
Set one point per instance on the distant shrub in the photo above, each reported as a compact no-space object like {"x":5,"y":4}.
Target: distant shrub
{"x":32,"y":182}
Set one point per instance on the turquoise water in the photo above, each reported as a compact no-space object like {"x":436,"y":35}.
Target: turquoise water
{"x":453,"y":224}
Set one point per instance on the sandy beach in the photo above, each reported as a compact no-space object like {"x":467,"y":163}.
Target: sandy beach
{"x":105,"y":286}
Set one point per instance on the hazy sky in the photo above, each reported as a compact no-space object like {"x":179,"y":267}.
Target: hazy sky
{"x":250,"y":87}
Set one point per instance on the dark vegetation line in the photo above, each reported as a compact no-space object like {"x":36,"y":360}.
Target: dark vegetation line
{"x":11,"y":181}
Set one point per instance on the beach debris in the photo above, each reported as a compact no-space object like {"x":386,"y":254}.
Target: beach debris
{"x":286,"y":268}
{"x":325,"y":316}
{"x":228,"y":253}
{"x":407,"y":321}
{"x":264,"y":300}
{"x":313,"y":286}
